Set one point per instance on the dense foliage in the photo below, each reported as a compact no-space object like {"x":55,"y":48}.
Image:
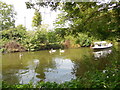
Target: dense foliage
{"x":80,"y":23}
{"x":84,"y":40}
{"x":40,"y":40}
{"x":18,"y":33}
{"x":99,"y":19}
{"x":7,"y":16}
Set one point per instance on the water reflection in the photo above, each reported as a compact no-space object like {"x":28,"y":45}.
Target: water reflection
{"x":44,"y":66}
{"x":102,"y":53}
{"x":62,"y":72}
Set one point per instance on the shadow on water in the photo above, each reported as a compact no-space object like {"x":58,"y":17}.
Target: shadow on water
{"x":54,"y":67}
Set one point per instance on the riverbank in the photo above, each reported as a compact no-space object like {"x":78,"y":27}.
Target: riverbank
{"x":13,"y":46}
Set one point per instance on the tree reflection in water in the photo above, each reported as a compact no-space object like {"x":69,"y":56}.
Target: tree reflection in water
{"x":43,"y":66}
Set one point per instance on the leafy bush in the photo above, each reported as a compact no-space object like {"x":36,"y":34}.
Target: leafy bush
{"x":18,"y":33}
{"x":84,"y":40}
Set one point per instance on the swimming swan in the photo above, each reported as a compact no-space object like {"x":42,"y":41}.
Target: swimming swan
{"x":62,"y":51}
{"x":51,"y":51}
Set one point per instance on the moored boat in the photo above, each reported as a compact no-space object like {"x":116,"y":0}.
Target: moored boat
{"x":101,"y":45}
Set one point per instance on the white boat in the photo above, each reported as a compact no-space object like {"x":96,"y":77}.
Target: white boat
{"x":102,"y":45}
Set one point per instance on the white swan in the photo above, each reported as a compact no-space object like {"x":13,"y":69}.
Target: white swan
{"x":62,"y":51}
{"x":51,"y":51}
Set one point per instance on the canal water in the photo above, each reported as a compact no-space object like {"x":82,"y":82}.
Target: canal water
{"x":25,"y":67}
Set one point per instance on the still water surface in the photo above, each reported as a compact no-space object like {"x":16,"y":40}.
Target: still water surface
{"x":24,"y":67}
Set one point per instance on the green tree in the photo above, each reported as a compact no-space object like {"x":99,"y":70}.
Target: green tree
{"x":36,"y":19}
{"x":98,"y":19}
{"x":52,"y":37}
{"x":41,"y":37}
{"x":62,"y":32}
{"x":7,"y":16}
{"x":18,"y":33}
{"x":38,"y":3}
